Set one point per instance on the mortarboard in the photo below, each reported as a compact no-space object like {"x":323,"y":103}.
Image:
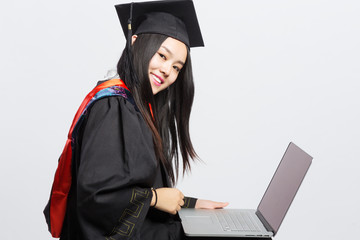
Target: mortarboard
{"x":173,"y":18}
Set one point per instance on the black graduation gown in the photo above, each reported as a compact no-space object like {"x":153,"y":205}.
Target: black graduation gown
{"x":114,"y":167}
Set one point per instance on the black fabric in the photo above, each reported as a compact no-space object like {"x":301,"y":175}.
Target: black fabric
{"x":113,"y":170}
{"x":189,"y":202}
{"x":175,"y":18}
{"x":114,"y":166}
{"x":175,"y":27}
{"x":225,"y":238}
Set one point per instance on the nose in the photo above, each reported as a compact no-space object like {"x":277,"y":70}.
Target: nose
{"x":165,"y":68}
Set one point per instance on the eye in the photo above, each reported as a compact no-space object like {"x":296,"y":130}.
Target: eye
{"x":162,"y":56}
{"x":177,"y":68}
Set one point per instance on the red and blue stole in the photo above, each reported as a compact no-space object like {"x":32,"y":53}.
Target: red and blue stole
{"x":62,"y":180}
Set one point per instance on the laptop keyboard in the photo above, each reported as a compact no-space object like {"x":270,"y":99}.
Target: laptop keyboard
{"x":238,"y":221}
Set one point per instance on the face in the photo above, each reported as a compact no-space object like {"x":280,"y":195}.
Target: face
{"x":165,"y":65}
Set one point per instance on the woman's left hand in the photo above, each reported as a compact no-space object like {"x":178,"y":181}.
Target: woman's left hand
{"x":208,"y":204}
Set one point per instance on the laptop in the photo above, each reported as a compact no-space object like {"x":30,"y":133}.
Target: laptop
{"x":264,"y":222}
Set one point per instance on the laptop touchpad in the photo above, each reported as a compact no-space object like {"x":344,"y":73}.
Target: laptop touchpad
{"x":199,"y":219}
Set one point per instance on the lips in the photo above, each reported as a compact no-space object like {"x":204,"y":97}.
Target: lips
{"x":156,"y":79}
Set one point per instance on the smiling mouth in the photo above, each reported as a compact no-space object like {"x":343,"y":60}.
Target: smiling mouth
{"x":157,"y":80}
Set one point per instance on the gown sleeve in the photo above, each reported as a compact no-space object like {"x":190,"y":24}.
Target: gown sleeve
{"x":115,"y":172}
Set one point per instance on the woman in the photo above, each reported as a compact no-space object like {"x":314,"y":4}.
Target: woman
{"x":122,"y":151}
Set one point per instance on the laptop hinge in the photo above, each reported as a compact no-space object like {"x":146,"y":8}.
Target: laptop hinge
{"x":263,"y":220}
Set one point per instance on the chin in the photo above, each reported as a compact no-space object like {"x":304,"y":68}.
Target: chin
{"x":154,"y":91}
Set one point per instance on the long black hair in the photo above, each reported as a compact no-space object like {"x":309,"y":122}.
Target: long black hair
{"x":171,"y":107}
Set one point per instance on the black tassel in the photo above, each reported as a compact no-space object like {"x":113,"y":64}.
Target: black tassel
{"x":130,"y":27}
{"x":128,"y":48}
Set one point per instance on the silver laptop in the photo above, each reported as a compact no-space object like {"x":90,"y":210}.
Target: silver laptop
{"x":267,"y":218}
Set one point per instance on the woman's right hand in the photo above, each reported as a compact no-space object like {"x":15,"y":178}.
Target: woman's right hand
{"x":169,"y":200}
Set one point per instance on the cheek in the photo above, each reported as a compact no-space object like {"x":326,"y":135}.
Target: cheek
{"x":153,"y":63}
{"x":173,"y":78}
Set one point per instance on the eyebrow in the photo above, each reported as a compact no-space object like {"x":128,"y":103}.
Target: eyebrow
{"x":168,"y":50}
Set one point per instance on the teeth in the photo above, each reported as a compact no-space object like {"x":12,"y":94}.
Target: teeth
{"x":157,"y":79}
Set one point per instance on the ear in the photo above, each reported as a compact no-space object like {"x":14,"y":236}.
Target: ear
{"x":133,"y":39}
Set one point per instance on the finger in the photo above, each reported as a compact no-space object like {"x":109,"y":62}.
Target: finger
{"x":221,"y":204}
{"x":181,"y":203}
{"x":176,"y":210}
{"x":181,"y":194}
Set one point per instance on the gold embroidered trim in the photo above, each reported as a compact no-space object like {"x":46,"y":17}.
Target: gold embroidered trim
{"x":186,"y":202}
{"x":125,"y":226}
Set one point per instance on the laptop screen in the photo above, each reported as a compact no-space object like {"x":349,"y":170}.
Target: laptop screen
{"x":284,"y":185}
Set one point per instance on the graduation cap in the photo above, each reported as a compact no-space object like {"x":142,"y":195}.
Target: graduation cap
{"x":173,"y":18}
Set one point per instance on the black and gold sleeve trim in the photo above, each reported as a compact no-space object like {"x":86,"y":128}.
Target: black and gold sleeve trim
{"x":189,"y":202}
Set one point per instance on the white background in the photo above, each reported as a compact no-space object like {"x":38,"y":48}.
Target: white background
{"x":271,"y":72}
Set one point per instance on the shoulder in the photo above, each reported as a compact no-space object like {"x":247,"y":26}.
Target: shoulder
{"x":112,"y":107}
{"x":115,"y":94}
{"x":112,"y":104}
{"x":113,"y":115}
{"x":114,"y":91}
